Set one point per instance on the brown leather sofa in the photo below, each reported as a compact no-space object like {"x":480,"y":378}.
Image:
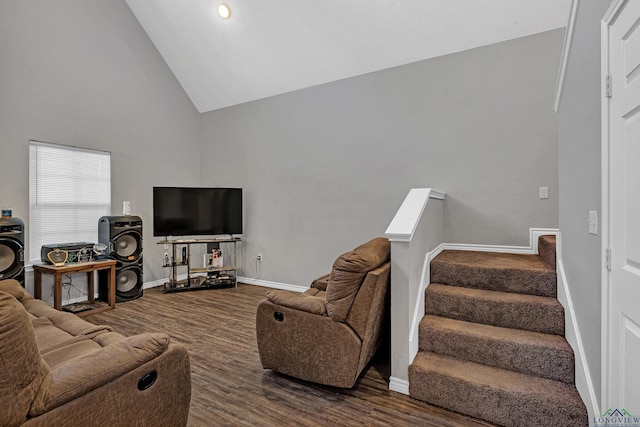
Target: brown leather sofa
{"x":329,"y":333}
{"x":59,"y":370}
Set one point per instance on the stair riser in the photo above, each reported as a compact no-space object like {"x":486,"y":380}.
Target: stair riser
{"x":492,"y":404}
{"x":545,"y":318}
{"x":547,"y":250}
{"x":541,"y":283}
{"x":550,"y":363}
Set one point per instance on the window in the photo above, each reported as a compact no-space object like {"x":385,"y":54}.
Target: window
{"x":69,"y":190}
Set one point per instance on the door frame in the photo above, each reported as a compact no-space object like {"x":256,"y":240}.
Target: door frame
{"x":607,"y":20}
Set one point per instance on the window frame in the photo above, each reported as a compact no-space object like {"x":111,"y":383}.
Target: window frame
{"x":77,"y":221}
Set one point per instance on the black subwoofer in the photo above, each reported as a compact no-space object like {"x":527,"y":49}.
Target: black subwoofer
{"x":123,"y":237}
{"x":12,"y":249}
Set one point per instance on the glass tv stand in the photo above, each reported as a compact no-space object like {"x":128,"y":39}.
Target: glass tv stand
{"x":206,"y":277}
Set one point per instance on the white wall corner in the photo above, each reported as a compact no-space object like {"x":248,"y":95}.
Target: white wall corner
{"x":564,"y":59}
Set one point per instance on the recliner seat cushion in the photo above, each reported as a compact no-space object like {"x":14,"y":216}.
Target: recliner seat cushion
{"x":348,"y":273}
{"x":62,"y":320}
{"x":81,"y":374}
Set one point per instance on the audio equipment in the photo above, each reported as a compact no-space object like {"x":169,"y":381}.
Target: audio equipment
{"x":99,"y":249}
{"x":122,"y":236}
{"x":12,"y":249}
{"x":77,"y":252}
{"x":58,"y":257}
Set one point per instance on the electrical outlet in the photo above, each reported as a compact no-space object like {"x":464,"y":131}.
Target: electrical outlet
{"x":259,"y":257}
{"x":544,"y":192}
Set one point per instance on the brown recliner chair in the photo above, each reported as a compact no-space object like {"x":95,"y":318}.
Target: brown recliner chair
{"x":329,"y":333}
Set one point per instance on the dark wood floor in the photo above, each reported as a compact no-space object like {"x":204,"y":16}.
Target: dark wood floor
{"x":229,"y":386}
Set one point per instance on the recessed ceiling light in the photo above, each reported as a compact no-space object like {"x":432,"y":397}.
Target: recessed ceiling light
{"x":224,"y":11}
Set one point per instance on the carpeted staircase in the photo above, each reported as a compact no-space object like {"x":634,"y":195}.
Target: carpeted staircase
{"x":492,"y":340}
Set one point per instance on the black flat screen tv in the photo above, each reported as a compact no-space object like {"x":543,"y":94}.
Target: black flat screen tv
{"x":190,"y":211}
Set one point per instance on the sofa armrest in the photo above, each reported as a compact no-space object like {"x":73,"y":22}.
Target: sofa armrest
{"x":79,"y":375}
{"x":13,"y":288}
{"x":307,"y":346}
{"x":321,"y":282}
{"x":307,"y":301}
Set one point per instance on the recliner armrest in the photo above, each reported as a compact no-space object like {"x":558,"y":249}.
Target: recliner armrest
{"x":79,"y":375}
{"x":321,"y":282}
{"x":307,"y":301}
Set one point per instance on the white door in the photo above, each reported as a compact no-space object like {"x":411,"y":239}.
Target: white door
{"x":623,"y":371}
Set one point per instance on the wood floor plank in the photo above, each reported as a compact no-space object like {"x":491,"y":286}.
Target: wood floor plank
{"x":229,"y":386}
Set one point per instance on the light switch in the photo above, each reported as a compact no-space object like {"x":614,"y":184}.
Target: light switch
{"x":593,"y":222}
{"x":544,"y":192}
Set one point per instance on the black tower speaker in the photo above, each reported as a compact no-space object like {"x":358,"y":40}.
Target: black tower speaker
{"x":12,"y":249}
{"x":123,"y":237}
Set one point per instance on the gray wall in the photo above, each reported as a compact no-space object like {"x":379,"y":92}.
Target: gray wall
{"x":84,"y":73}
{"x":579,"y":178}
{"x":326,"y":168}
{"x":323,"y":168}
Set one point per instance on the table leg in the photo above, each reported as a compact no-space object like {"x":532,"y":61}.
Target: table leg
{"x":90,"y":285}
{"x":37,"y":284}
{"x":235,"y":263}
{"x":57,"y":291}
{"x":111,"y":283}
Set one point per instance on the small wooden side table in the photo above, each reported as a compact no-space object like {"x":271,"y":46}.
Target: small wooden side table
{"x":82,"y":267}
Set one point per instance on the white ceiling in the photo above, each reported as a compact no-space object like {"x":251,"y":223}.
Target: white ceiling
{"x":272,"y":47}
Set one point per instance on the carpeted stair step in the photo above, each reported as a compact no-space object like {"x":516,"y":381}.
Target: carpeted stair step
{"x":544,"y":355}
{"x":517,"y":273}
{"x":496,"y":395}
{"x":547,"y":250}
{"x":509,"y":310}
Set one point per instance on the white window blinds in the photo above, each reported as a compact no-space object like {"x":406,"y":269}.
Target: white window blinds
{"x":69,"y":190}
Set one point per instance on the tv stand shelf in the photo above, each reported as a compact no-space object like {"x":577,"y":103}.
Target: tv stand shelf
{"x":214,"y":277}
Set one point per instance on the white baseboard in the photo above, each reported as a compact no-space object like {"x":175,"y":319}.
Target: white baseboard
{"x":398,"y":385}
{"x":274,"y":285}
{"x":584,"y":384}
{"x":247,"y":280}
{"x":81,"y":298}
{"x":534,"y":234}
{"x":154,"y":284}
{"x":418,"y":310}
{"x":161,"y":282}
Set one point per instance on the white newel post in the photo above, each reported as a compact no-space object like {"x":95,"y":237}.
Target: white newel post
{"x":416,"y":229}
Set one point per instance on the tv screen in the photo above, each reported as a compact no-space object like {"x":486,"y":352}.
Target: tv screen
{"x":189,"y":211}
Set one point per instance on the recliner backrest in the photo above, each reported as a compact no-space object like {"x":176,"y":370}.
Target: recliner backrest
{"x":348,"y":273}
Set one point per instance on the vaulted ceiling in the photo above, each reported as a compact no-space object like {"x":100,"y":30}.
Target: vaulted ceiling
{"x":271,"y":47}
